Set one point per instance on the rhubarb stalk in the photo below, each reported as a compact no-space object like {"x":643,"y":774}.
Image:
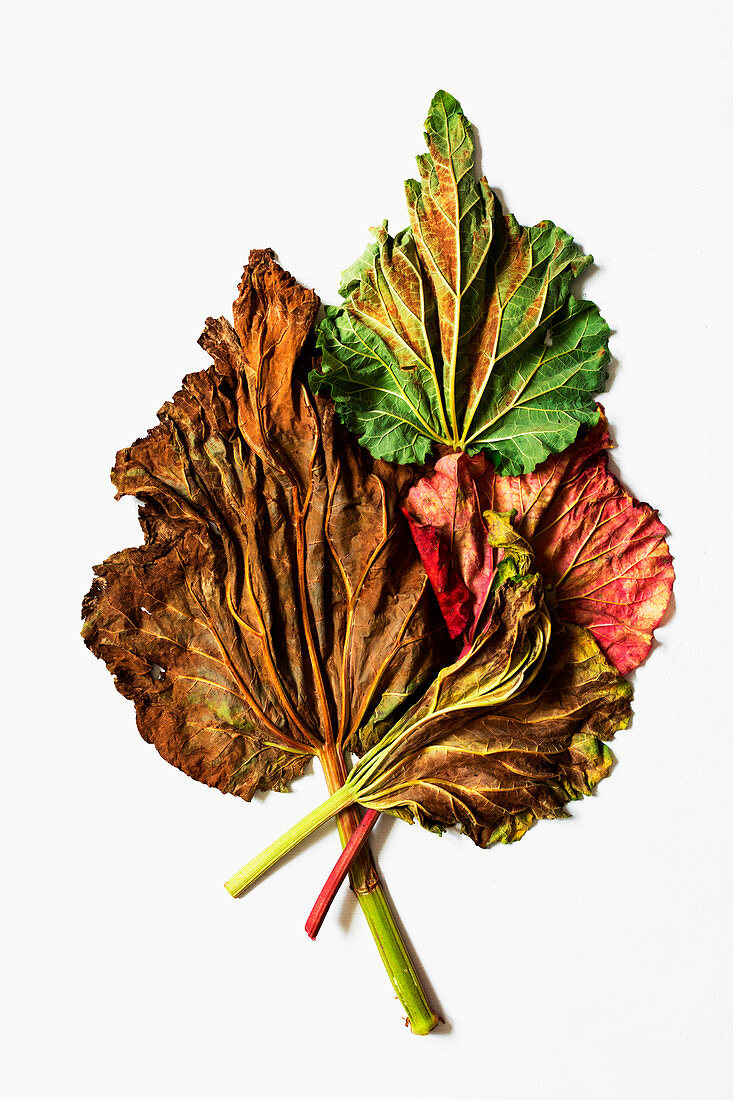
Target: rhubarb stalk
{"x":365,"y":883}
{"x":375,"y":907}
{"x":339,"y":873}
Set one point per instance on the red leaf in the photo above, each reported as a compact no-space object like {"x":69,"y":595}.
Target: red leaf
{"x":602,"y":554}
{"x":445,"y":518}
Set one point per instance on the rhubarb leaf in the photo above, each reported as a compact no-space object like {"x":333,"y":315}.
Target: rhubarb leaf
{"x":460,"y":547}
{"x":495,"y":772}
{"x":462,"y":330}
{"x":510,"y":731}
{"x":602,"y":554}
{"x":278,"y":604}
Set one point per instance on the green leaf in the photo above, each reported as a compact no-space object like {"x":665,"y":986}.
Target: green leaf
{"x":462,"y":330}
{"x":377,"y":358}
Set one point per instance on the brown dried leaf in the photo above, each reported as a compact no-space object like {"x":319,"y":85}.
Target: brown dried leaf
{"x":278,"y":604}
{"x":494,"y":770}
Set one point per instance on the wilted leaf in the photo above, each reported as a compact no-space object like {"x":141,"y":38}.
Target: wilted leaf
{"x":278,"y":600}
{"x":462,"y":330}
{"x":506,"y":734}
{"x":601,"y":553}
{"x":495,"y":772}
{"x":510,"y":731}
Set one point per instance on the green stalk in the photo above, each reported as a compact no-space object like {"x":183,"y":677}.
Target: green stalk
{"x":397,"y":961}
{"x":365,"y":883}
{"x":375,"y":907}
{"x":248,"y":874}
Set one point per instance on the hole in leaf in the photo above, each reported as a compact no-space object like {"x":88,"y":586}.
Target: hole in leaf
{"x":157,"y":673}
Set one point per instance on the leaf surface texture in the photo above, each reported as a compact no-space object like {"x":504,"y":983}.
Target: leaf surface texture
{"x":461,"y":330}
{"x":278,"y":604}
{"x":602,"y":553}
{"x":509,"y":733}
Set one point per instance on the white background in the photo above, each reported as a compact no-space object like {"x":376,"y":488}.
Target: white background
{"x":149,"y":147}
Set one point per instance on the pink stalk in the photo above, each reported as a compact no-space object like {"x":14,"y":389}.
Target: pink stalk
{"x":333,"y":882}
